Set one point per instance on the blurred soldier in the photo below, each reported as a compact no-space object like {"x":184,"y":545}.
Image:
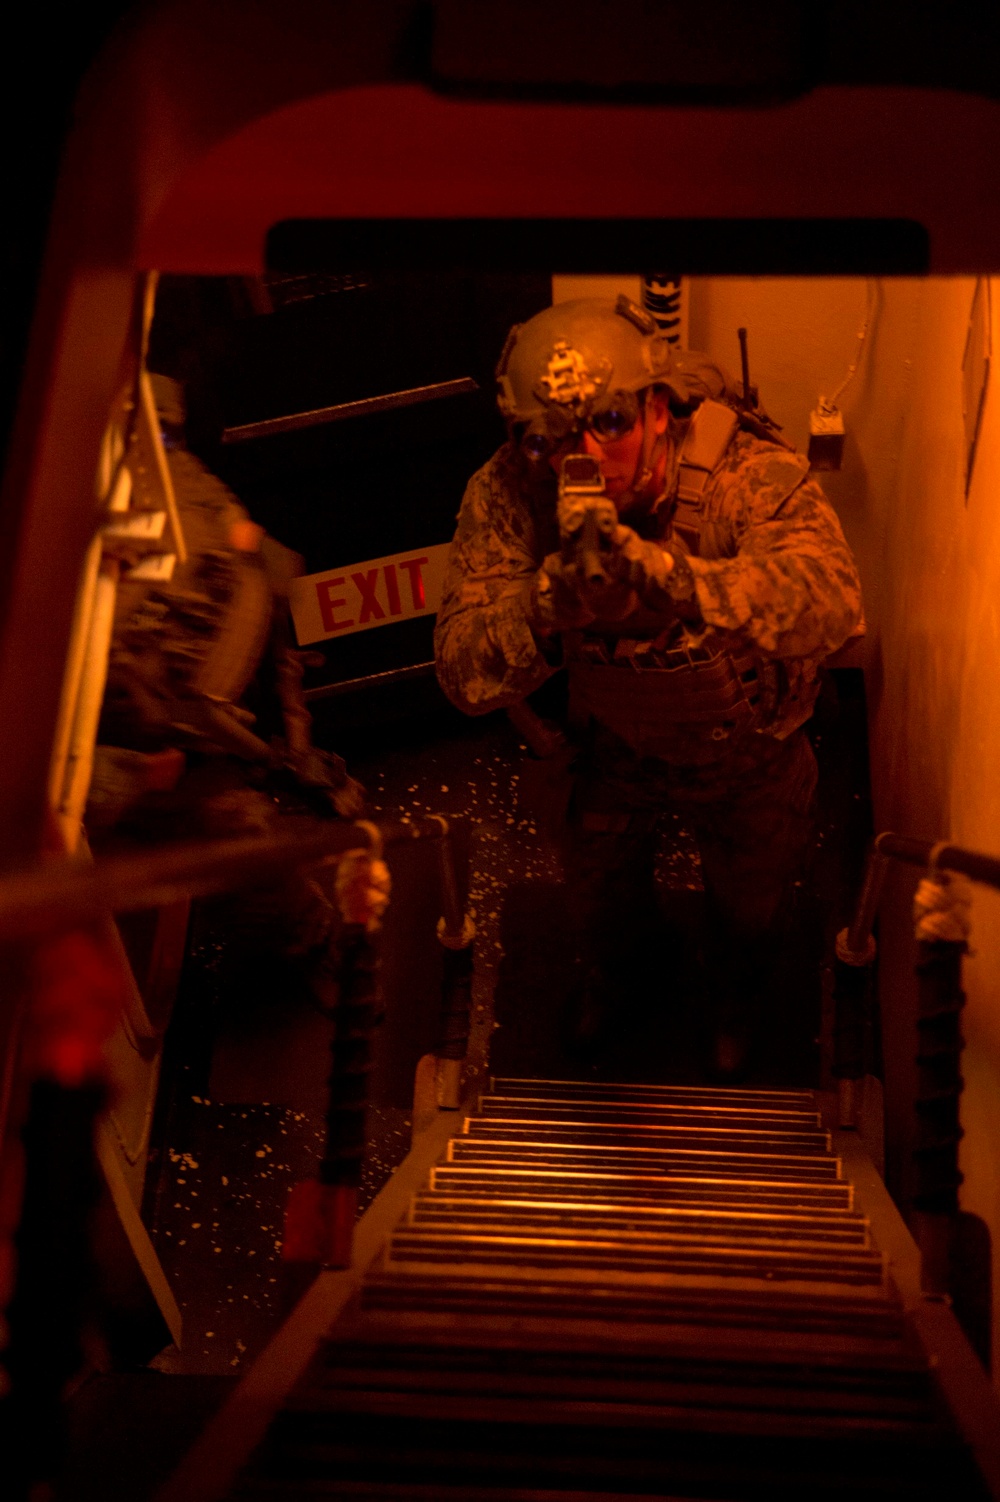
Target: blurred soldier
{"x":204,"y":730}
{"x":693,"y":647}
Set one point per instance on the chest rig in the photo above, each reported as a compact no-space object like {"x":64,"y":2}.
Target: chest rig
{"x":671,"y":693}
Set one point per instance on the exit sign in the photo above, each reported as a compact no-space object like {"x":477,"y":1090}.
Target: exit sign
{"x":361,"y":596}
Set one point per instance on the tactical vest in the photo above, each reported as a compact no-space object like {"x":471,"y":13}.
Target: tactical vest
{"x":678,"y":696}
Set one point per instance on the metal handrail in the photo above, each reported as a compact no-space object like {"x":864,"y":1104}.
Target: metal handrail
{"x":57,"y":895}
{"x":856,"y":949}
{"x":945,"y":856}
{"x":887,"y":847}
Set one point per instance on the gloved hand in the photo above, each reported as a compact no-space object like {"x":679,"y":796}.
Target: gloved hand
{"x":362,"y":887}
{"x":662,"y":580}
{"x":558,"y":598}
{"x":604,"y":596}
{"x":639,"y":573}
{"x":551,"y":601}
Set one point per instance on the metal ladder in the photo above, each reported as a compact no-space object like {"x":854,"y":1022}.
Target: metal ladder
{"x":624,"y":1292}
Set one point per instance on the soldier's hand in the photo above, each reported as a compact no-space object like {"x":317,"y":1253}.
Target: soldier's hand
{"x":552,"y":601}
{"x":363,"y":886}
{"x":611,"y":598}
{"x":661,"y":580}
{"x":607,"y":599}
{"x":643,"y":565}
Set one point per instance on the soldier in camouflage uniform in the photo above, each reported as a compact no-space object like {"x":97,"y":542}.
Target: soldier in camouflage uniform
{"x":693,"y":667}
{"x":204,"y":730}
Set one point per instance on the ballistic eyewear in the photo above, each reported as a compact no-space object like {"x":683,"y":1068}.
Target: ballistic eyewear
{"x":614,"y":418}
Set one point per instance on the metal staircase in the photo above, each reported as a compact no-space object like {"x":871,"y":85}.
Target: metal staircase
{"x":624,"y":1292}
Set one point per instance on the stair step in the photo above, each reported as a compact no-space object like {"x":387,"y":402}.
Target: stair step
{"x":642,"y":1134}
{"x":615,"y":1293}
{"x":606,"y":1402}
{"x":492,"y":1296}
{"x":436,"y":1208}
{"x":713,"y":1148}
{"x":728,"y":1117}
{"x":635,"y":1255}
{"x":597,"y":1090}
{"x":718,"y":1452}
{"x":547,"y":1183}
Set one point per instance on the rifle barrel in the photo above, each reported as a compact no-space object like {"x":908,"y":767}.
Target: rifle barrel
{"x":591,"y":564}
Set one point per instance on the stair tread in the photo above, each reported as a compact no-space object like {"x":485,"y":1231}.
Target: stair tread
{"x":443,"y":1209}
{"x":622,"y":1261}
{"x":658,"y":1163}
{"x":547,"y":1179}
{"x":720,"y":1138}
{"x":728,"y":1115}
{"x":604,"y":1090}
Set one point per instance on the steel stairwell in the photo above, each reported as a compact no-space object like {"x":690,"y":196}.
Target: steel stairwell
{"x":624,"y":1292}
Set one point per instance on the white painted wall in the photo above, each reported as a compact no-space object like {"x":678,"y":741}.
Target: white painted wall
{"x":930,"y":564}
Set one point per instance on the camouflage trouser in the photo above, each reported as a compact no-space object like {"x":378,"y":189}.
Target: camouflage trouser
{"x":751,"y":816}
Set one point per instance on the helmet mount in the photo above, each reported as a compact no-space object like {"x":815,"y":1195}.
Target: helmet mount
{"x":569,"y":381}
{"x":570,"y":357}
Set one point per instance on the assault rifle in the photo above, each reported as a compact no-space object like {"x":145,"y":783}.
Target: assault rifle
{"x":587,"y":518}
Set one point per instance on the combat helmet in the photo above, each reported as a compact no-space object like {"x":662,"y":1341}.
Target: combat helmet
{"x":585,"y":363}
{"x":574,"y":363}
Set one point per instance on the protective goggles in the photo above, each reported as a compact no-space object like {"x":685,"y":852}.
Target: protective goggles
{"x":614,"y":418}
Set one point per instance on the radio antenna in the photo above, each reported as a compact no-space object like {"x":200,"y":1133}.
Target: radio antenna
{"x":748,"y":400}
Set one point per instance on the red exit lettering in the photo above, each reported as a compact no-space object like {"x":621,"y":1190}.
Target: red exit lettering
{"x":366,"y":589}
{"x":327,"y":604}
{"x":334,"y":608}
{"x":413,"y":567}
{"x":392,"y":590}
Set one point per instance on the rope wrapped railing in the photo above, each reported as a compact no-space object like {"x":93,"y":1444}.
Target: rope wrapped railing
{"x":941,"y":919}
{"x":63,"y":894}
{"x":939,"y":1096}
{"x":51,"y":902}
{"x":456,"y":934}
{"x":319,"y":1221}
{"x":856,"y":948}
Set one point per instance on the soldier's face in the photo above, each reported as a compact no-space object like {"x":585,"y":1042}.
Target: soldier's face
{"x":619,"y":458}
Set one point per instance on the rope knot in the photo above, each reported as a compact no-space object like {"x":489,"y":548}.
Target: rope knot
{"x":942,"y":907}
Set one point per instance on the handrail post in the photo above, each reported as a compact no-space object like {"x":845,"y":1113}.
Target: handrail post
{"x":319,"y":1221}
{"x":855,"y":958}
{"x":954,"y":1246}
{"x":939,"y":1079}
{"x":456,"y":933}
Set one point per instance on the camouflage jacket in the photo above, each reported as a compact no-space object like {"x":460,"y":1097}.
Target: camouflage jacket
{"x":776,"y":577}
